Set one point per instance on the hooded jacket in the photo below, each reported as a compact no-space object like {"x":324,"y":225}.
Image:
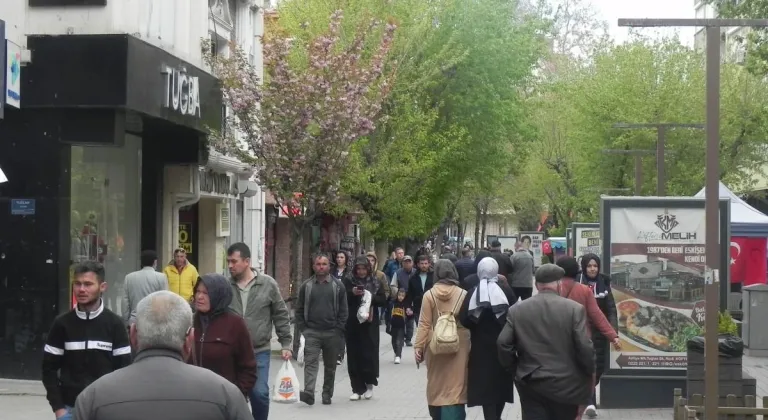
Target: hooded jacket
{"x":369,"y":283}
{"x":378,"y":274}
{"x":222,"y":342}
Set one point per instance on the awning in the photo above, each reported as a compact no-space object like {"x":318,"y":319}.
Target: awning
{"x":3,"y":178}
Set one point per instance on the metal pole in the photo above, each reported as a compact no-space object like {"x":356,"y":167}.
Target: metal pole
{"x":660,"y":168}
{"x":638,"y":175}
{"x":712,"y":222}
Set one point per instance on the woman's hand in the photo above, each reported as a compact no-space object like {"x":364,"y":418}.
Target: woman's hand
{"x":418,"y":355}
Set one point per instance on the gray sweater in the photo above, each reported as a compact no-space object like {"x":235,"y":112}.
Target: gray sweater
{"x":521,"y":274}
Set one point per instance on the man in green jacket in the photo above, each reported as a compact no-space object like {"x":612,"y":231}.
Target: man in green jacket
{"x":257,"y":298}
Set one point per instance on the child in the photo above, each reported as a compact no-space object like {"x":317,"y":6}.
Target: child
{"x":401,"y":311}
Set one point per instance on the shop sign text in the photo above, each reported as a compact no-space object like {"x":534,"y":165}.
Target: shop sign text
{"x":182,"y":91}
{"x":217,"y":183}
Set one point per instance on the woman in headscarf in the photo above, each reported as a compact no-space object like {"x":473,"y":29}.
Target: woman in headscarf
{"x":484,"y":315}
{"x":472,"y":280}
{"x":362,"y":338}
{"x":222,"y":342}
{"x":601,"y":287}
{"x":446,"y":373}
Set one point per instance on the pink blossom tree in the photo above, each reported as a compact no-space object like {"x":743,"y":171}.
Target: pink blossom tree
{"x":297,"y":127}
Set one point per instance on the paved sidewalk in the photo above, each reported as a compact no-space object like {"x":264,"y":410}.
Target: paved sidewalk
{"x":400,"y":395}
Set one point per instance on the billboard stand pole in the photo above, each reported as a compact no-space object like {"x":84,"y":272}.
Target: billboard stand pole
{"x":713,"y":56}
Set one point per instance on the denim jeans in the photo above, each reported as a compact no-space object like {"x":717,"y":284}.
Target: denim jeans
{"x":69,"y":415}
{"x":259,"y":394}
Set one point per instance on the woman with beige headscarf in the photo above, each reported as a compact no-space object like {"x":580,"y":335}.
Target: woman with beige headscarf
{"x":446,"y":373}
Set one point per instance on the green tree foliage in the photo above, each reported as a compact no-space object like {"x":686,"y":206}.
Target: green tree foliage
{"x":454,"y":113}
{"x":755,"y":43}
{"x":641,"y":82}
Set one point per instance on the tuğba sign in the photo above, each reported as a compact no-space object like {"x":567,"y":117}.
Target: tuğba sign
{"x":182,"y":91}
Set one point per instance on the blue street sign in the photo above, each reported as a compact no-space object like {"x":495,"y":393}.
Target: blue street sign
{"x":22,"y":206}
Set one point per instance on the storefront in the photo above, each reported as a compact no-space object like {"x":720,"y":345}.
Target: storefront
{"x":220,"y":212}
{"x":102,"y":116}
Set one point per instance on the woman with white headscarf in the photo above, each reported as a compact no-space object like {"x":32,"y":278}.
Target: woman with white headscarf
{"x":484,"y":314}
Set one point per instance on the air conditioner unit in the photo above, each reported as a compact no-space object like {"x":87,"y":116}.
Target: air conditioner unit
{"x":740,"y":56}
{"x":353,"y":230}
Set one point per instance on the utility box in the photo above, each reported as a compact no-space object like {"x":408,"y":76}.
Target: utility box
{"x":754,"y":332}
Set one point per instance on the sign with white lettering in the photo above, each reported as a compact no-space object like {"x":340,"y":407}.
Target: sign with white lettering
{"x":182,"y":91}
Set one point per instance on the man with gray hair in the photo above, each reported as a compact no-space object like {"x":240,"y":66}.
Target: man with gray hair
{"x":159,"y":383}
{"x":545,"y":343}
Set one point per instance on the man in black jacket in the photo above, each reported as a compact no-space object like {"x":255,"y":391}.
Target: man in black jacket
{"x":420,"y":283}
{"x":466,"y":265}
{"x":84,"y":344}
{"x":505,"y":264}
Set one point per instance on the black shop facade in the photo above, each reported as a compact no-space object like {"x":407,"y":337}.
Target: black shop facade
{"x":100,"y":118}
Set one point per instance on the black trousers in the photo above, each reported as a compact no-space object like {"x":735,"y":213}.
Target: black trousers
{"x":398,"y":339}
{"x":523,"y":292}
{"x":493,"y":411}
{"x":536,"y":406}
{"x":593,"y":401}
{"x":409,"y":324}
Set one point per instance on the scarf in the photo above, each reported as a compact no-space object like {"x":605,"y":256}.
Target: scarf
{"x":369,"y":282}
{"x":488,"y":294}
{"x":445,"y":272}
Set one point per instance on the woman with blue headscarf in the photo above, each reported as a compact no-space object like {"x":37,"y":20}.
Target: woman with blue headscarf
{"x":484,"y":315}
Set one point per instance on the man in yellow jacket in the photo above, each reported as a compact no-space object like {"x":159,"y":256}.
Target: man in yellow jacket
{"x":182,"y":275}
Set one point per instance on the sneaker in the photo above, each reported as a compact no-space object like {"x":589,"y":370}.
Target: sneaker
{"x":369,"y":392}
{"x":326,"y":401}
{"x":355,"y":397}
{"x":397,"y":360}
{"x":408,"y":344}
{"x":591,"y":411}
{"x":339,"y":362}
{"x":307,"y":398}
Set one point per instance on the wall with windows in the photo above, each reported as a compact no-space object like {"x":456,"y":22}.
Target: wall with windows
{"x":176,"y":26}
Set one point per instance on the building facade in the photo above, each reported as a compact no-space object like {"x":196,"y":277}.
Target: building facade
{"x":105,"y":150}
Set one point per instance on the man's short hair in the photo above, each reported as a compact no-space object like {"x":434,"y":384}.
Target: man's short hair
{"x":90,"y":267}
{"x":570,"y":266}
{"x":240,"y":247}
{"x":422,"y":257}
{"x":496,"y":244}
{"x":163,"y":320}
{"x":148,"y":258}
{"x":524,"y":238}
{"x":320,"y":255}
{"x":399,"y":249}
{"x":466,"y":252}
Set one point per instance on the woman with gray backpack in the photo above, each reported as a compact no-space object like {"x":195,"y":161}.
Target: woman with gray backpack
{"x":443,"y":343}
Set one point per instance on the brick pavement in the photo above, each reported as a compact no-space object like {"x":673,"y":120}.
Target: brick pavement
{"x":400,"y":395}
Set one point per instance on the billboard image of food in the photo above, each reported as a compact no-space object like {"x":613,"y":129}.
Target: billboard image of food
{"x":657,"y":264}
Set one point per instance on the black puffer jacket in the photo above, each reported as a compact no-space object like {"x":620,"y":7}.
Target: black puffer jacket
{"x":601,"y":284}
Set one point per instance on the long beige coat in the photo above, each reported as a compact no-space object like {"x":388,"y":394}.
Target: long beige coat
{"x":446,"y":373}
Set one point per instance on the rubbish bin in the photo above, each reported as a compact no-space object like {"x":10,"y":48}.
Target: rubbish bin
{"x":753,"y":331}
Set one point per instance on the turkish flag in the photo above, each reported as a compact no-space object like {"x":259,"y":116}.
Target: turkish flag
{"x":748,"y":260}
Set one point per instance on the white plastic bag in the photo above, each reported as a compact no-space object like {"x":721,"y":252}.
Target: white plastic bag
{"x":286,"y":385}
{"x":364,"y":311}
{"x":300,"y":356}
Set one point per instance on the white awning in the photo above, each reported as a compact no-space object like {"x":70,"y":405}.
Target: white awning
{"x":3,"y":178}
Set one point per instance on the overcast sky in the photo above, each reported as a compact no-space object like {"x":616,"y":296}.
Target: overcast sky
{"x":612,"y":10}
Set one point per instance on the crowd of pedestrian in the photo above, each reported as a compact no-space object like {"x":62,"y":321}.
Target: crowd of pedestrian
{"x":474,"y":322}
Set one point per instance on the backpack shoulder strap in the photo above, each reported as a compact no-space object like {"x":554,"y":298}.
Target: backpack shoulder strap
{"x":459,"y":301}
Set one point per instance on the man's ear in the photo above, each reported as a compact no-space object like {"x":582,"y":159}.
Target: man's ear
{"x":133,"y":336}
{"x":103,"y":287}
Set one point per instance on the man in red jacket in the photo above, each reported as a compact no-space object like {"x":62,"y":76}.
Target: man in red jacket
{"x":581,"y":293}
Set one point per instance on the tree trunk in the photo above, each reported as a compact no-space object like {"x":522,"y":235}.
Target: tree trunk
{"x":297,"y":235}
{"x":460,"y":226}
{"x":484,"y":216}
{"x":478,"y":242}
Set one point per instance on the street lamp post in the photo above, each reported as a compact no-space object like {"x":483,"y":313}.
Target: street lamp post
{"x":661,"y":131}
{"x":638,"y":154}
{"x":712,"y":188}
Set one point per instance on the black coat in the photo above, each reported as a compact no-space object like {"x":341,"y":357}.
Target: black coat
{"x":415,"y":293}
{"x":487,"y":381}
{"x":608,"y":305}
{"x":362,"y":339}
